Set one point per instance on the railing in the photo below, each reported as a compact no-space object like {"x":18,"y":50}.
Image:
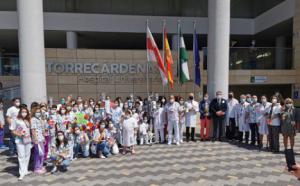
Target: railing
{"x":242,"y":58}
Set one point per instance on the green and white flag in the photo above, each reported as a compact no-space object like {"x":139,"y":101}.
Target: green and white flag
{"x":183,"y":59}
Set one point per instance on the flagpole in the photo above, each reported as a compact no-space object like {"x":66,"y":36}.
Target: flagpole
{"x":194,"y":40}
{"x":147,"y":63}
{"x":163,"y":47}
{"x":178,"y":51}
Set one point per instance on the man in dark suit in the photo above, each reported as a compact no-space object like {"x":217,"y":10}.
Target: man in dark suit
{"x":218,"y":108}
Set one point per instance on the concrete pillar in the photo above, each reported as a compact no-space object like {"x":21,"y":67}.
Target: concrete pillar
{"x":280,"y":52}
{"x":32,"y":51}
{"x":71,"y":40}
{"x":218,"y":46}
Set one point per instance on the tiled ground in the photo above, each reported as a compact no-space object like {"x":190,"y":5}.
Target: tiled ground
{"x":201,"y":163}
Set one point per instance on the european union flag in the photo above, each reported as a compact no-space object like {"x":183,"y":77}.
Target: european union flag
{"x":197,"y":60}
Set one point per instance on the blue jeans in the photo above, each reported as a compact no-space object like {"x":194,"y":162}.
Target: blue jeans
{"x":104,"y":148}
{"x":12,"y":144}
{"x":77,"y":148}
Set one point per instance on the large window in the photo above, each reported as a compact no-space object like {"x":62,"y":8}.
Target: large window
{"x":257,"y":58}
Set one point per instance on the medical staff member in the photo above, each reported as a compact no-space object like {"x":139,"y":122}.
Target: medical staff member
{"x":192,"y":107}
{"x":21,"y":130}
{"x":172,"y":119}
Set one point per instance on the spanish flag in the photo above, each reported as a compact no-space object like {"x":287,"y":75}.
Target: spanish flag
{"x":168,"y":59}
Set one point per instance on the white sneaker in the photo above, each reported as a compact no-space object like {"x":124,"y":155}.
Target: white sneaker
{"x":102,"y":157}
{"x":28,"y":173}
{"x":177,"y":143}
{"x":169,"y":143}
{"x":21,"y":177}
{"x":54,"y":170}
{"x":181,"y":141}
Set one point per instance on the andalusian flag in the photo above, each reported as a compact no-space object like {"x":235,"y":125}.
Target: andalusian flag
{"x":168,"y":59}
{"x":183,"y":59}
{"x":153,"y":55}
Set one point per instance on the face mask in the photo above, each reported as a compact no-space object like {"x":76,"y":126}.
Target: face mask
{"x":38,"y":115}
{"x":255,"y":100}
{"x":60,"y":138}
{"x":249,"y":100}
{"x":77,"y":132}
{"x":191,"y":97}
{"x":85,"y":106}
{"x":181,"y":102}
{"x":145,"y":120}
{"x":163,"y":100}
{"x":1,"y":106}
{"x":74,"y":109}
{"x":17,"y":104}
{"x":263,"y":100}
{"x":172,"y":100}
{"x":205,"y":98}
{"x":219,"y":96}
{"x":24,"y":114}
{"x":127,"y":116}
{"x":274,"y":101}
{"x":110,"y":125}
{"x":63,"y":111}
{"x":102,"y":126}
{"x":133,"y":111}
{"x":53,"y":111}
{"x":91,"y":103}
{"x":243,"y":100}
{"x":96,"y":109}
{"x":289,"y":105}
{"x":69,"y":108}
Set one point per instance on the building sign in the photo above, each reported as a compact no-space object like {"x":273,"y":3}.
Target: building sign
{"x":258,"y":79}
{"x":106,"y":73}
{"x":98,"y":68}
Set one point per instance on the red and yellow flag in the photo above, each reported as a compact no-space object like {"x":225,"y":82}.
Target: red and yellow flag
{"x":168,"y":59}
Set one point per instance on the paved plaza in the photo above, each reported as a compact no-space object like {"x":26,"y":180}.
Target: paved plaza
{"x":200,"y":163}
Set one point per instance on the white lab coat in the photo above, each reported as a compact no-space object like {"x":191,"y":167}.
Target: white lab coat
{"x":262,"y":118}
{"x":128,"y":126}
{"x":191,"y":115}
{"x":240,"y":117}
{"x":159,"y":118}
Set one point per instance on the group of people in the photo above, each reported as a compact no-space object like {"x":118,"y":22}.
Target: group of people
{"x":59,"y":134}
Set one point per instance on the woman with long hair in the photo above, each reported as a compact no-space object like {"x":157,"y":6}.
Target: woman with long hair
{"x":21,"y":131}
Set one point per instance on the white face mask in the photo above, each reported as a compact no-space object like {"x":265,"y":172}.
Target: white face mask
{"x":263,"y":100}
{"x":172,"y":100}
{"x":219,"y":96}
{"x":110,"y":125}
{"x":60,"y":138}
{"x":102,"y":126}
{"x":274,"y":101}
{"x":38,"y":114}
{"x":63,"y":111}
{"x":24,"y":114}
{"x":77,"y":132}
{"x":18,"y":104}
{"x":243,"y":100}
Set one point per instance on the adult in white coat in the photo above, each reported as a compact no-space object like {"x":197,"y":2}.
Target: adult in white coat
{"x":264,"y":108}
{"x":240,"y":117}
{"x":192,"y":107}
{"x":159,"y":121}
{"x":172,"y":114}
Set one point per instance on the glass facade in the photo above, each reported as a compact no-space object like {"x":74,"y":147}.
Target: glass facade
{"x":256,"y":58}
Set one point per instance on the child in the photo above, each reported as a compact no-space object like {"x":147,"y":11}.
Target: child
{"x":129,"y":127}
{"x":143,"y":129}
